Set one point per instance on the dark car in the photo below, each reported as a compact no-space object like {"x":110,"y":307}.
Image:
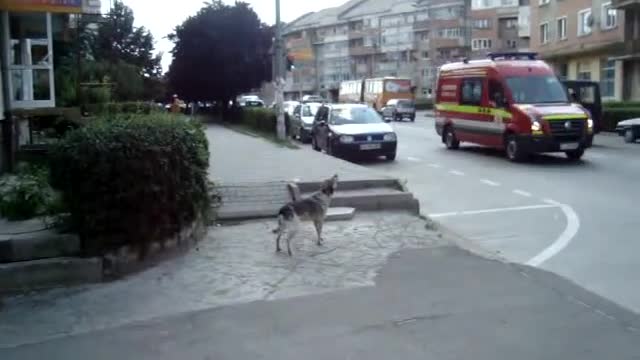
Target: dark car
{"x":587,"y":94}
{"x":630,"y":129}
{"x":399,"y":109}
{"x":349,"y":129}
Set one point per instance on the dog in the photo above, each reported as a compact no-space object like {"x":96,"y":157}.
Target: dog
{"x":313,"y":208}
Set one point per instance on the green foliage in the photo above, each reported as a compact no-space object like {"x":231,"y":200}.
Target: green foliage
{"x":261,"y":119}
{"x":424,"y":104}
{"x":220,"y":52}
{"x":130,"y":107}
{"x":621,"y":104}
{"x":132,"y":179}
{"x":612,"y":116}
{"x":26,"y":194}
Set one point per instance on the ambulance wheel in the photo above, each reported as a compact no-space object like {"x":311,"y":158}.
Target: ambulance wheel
{"x":450,"y":139}
{"x":514,"y":150}
{"x":575,"y":154}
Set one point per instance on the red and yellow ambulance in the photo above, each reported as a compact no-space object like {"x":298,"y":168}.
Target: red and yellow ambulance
{"x":513,"y":102}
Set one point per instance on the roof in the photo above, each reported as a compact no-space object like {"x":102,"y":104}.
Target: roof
{"x":497,"y":64}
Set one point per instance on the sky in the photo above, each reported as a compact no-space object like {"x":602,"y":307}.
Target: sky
{"x":161,"y":16}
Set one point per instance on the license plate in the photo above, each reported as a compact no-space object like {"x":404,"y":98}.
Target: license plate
{"x":369,"y":146}
{"x":406,"y":119}
{"x":569,"y":146}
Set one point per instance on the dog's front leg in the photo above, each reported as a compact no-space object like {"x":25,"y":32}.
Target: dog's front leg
{"x":278,"y":241}
{"x":318,"y":224}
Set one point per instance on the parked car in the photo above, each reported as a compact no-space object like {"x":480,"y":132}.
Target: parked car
{"x":630,"y":129}
{"x":349,"y":129}
{"x":251,"y":101}
{"x":289,"y":106}
{"x":312,"y":98}
{"x":399,"y":110}
{"x":302,"y":120}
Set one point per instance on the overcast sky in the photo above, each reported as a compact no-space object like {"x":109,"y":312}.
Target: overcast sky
{"x":161,"y":16}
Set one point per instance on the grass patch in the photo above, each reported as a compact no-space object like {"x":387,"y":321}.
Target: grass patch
{"x":249,"y":131}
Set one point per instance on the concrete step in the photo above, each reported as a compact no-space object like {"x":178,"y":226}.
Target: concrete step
{"x":374,"y":199}
{"x":245,"y":212}
{"x":27,"y":245}
{"x":340,"y":214}
{"x":49,"y":273}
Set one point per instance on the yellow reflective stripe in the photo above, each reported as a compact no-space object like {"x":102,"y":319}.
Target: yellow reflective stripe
{"x":471,"y":109}
{"x":565,"y":116}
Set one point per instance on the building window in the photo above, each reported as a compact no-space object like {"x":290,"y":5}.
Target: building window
{"x":544,"y":2}
{"x":481,"y":23}
{"x":511,"y":23}
{"x":609,"y":16}
{"x":563,"y":71}
{"x":480,"y":44}
{"x":608,"y":78}
{"x":561,"y":25}
{"x":512,"y":44}
{"x":544,"y":33}
{"x":585,"y":21}
{"x":425,"y":54}
{"x":584,"y":70}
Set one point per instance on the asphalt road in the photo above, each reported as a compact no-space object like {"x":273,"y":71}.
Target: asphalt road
{"x":578,"y":220}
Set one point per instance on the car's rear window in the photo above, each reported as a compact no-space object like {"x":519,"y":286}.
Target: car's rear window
{"x":405,"y":104}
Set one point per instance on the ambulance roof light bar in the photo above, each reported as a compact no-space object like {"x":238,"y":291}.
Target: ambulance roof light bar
{"x":518,"y":55}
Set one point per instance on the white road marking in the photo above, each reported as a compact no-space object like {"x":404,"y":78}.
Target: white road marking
{"x":595,"y":155}
{"x":414,"y":159}
{"x":551,"y":202}
{"x":489,"y":211}
{"x":435,"y":166}
{"x":489,"y":182}
{"x":573,"y":224}
{"x":522,"y":193}
{"x":456,"y":172}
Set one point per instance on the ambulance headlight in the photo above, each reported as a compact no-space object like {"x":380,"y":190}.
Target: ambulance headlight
{"x":536,"y":126}
{"x":590,"y":123}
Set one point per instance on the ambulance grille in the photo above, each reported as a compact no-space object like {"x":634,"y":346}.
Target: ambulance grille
{"x":567,"y":130}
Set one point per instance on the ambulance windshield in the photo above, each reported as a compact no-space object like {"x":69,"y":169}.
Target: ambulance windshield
{"x":536,"y":89}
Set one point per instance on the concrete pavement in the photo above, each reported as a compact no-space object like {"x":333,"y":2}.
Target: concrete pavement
{"x":583,"y":213}
{"x":436,"y":303}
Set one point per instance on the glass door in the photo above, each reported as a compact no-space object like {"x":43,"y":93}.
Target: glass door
{"x":29,"y":59}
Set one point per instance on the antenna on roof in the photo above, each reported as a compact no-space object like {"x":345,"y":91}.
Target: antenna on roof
{"x":518,"y":55}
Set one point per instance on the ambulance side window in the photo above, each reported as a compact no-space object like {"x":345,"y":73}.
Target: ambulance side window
{"x":471,"y":92}
{"x":496,"y":93}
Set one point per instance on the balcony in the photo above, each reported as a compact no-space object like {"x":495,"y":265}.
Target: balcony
{"x":362,"y":50}
{"x":524,"y":26}
{"x":440,"y":43}
{"x":632,"y":46}
{"x":626,"y":4}
{"x":422,"y":25}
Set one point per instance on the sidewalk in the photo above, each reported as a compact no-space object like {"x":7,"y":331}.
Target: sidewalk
{"x":239,"y":158}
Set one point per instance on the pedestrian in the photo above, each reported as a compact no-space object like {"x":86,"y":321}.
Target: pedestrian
{"x":175,"y":104}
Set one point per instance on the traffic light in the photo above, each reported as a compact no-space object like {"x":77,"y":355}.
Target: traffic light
{"x":290,"y":65}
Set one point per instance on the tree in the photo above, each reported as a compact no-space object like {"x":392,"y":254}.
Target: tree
{"x":220,"y":52}
{"x":117,"y":39}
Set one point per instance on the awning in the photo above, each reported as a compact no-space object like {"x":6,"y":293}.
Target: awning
{"x":54,"y":6}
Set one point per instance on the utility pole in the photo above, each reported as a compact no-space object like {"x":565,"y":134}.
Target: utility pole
{"x":278,"y":76}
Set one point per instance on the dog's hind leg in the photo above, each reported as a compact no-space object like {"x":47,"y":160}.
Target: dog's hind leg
{"x":278,"y":241}
{"x":279,"y":230}
{"x":318,"y":224}
{"x":293,"y":228}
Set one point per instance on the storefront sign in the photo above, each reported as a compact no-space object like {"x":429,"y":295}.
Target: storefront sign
{"x":59,"y":6}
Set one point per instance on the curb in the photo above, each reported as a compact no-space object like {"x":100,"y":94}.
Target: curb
{"x":37,"y":245}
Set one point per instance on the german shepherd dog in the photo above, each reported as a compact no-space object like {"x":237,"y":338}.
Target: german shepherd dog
{"x":313,"y":208}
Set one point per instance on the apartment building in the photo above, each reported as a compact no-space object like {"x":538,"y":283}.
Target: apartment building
{"x":630,"y":59}
{"x":374,"y":38}
{"x":494,"y":26}
{"x":582,"y":39}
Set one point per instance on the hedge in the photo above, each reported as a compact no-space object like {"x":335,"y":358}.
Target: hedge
{"x":131,"y":107}
{"x":261,"y":119}
{"x":612,"y":116}
{"x":621,"y":104}
{"x":132,"y":180}
{"x":424,"y":104}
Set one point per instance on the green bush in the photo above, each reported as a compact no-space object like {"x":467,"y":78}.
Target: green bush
{"x":424,"y":104}
{"x":132,"y":180}
{"x":131,"y":107}
{"x":26,"y":194}
{"x":612,"y":116}
{"x":262,"y":119}
{"x":621,"y":104}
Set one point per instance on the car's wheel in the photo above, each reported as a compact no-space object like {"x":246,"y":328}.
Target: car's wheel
{"x":450,"y":139}
{"x":391,"y":157}
{"x":314,"y":144}
{"x":413,"y":119}
{"x":629,"y":136}
{"x":575,"y":154}
{"x":514,"y":150}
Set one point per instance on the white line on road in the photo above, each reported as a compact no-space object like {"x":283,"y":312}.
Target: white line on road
{"x":551,"y":202}
{"x":573,"y":224}
{"x":489,"y":211}
{"x":522,"y":193}
{"x":489,"y":182}
{"x":456,"y":172}
{"x":414,"y":159}
{"x":435,"y":166}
